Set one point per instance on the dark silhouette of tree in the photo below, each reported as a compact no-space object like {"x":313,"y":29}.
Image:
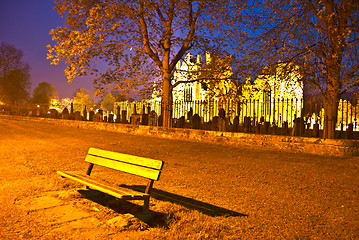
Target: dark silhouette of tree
{"x":43,"y":93}
{"x":16,"y":86}
{"x":13,"y":73}
{"x":108,"y":102}
{"x":139,"y":40}
{"x":10,"y":58}
{"x":319,"y":36}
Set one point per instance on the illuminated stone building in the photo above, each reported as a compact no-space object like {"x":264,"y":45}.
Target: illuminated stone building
{"x":275,"y":96}
{"x":186,"y":72}
{"x":198,"y":84}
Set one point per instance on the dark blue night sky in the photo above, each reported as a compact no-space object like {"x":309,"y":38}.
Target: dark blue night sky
{"x":25,"y":24}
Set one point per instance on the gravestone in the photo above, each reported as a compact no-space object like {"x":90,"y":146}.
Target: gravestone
{"x":274,"y":129}
{"x":77,"y":116}
{"x":247,"y":124}
{"x":118,"y":118}
{"x":181,"y":122}
{"x":196,"y":121}
{"x":214,"y":124}
{"x":110,"y":118}
{"x":97,"y":117}
{"x":221,"y":124}
{"x":54,"y":113}
{"x":285,"y":128}
{"x":65,"y":113}
{"x":190,"y":115}
{"x":152,"y":119}
{"x":222,"y":120}
{"x":349,"y":133}
{"x":298,"y":127}
{"x":118,"y":115}
{"x":72,"y":116}
{"x":91,"y":114}
{"x":123,"y":116}
{"x":258,"y":127}
{"x":316,"y":130}
{"x":136,"y":119}
{"x":266,"y":127}
{"x":236,"y":124}
{"x":144,"y":119}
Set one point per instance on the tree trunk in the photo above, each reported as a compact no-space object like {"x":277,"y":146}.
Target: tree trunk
{"x":166,"y":101}
{"x":332,"y":93}
{"x":330,"y":114}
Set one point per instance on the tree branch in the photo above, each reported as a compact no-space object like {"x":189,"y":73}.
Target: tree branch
{"x":145,"y":38}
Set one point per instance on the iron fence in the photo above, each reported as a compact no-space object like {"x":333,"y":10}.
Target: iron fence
{"x":276,"y":112}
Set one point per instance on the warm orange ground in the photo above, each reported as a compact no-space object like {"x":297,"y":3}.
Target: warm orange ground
{"x":284,"y":195}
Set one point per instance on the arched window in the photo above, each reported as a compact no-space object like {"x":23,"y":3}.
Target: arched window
{"x":188,"y":94}
{"x":266,"y":99}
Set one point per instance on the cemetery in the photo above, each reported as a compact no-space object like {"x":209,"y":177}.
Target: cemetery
{"x":161,"y":120}
{"x":275,"y":103}
{"x":227,"y":122}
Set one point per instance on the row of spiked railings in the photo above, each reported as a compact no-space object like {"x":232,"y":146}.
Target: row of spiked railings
{"x":278,"y":116}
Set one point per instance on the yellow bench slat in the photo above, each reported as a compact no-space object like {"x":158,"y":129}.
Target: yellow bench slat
{"x":124,"y":167}
{"x":141,"y":161}
{"x":120,"y":193}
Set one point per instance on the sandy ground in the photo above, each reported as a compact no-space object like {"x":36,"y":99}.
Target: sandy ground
{"x":275,"y":195}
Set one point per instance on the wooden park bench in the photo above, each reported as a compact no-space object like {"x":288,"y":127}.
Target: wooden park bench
{"x":140,"y":166}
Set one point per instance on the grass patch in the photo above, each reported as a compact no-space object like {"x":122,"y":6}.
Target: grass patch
{"x":173,"y":221}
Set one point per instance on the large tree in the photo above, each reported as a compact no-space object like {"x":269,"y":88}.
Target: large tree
{"x":319,"y":36}
{"x":10,"y":58}
{"x":82,"y":99}
{"x":43,"y":93}
{"x":138,"y":40}
{"x":16,"y":86}
{"x":108,"y":102}
{"x":14,"y":74}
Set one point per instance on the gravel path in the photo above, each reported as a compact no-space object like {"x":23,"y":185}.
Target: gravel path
{"x":283,"y":195}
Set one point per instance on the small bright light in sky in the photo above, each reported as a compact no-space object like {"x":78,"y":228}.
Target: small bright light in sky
{"x":25,"y":24}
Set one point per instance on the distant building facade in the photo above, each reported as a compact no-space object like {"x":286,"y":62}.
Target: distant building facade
{"x":276,"y":94}
{"x":198,"y":80}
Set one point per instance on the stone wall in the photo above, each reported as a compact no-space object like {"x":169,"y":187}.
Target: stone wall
{"x":333,"y":147}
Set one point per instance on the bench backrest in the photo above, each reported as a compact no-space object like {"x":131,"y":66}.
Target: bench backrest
{"x":144,"y":167}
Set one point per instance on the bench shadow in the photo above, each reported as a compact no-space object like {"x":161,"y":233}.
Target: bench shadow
{"x":205,"y":208}
{"x":154,"y":218}
{"x":117,"y":205}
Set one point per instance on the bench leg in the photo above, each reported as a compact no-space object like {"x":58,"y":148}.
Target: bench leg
{"x":89,"y":170}
{"x":146,"y":204}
